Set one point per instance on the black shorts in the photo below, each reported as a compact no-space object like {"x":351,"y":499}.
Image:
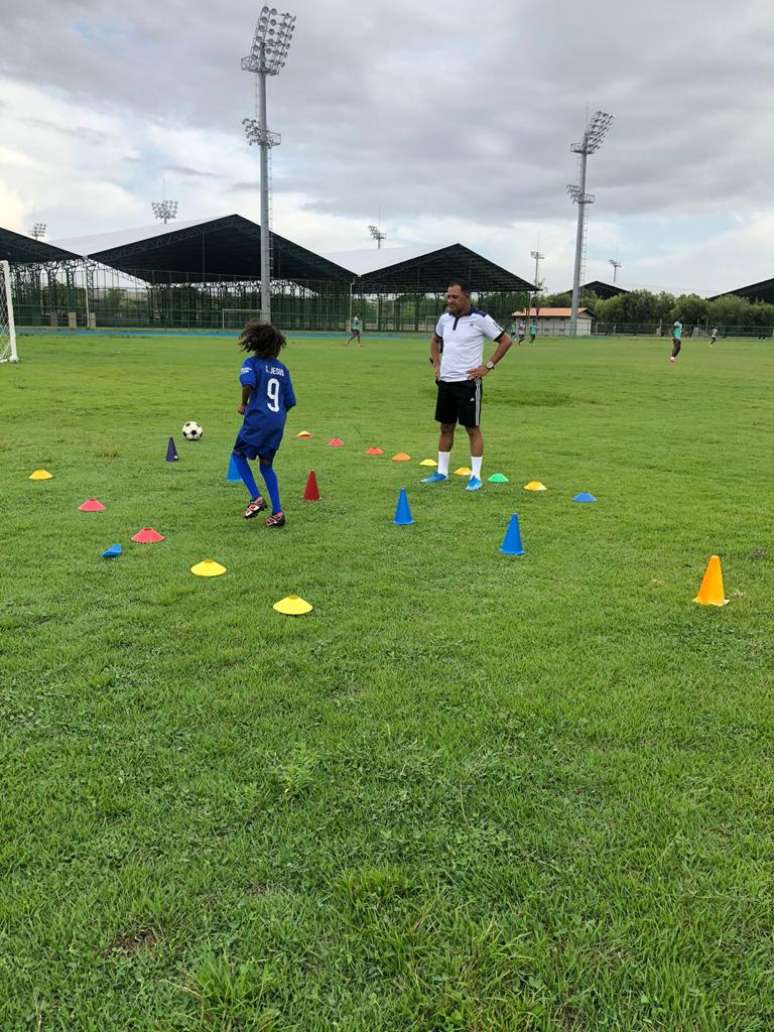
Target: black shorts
{"x":459,"y":402}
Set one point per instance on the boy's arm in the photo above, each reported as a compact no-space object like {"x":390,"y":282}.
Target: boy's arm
{"x":249,"y":382}
{"x":290,"y":394}
{"x":247,"y":390}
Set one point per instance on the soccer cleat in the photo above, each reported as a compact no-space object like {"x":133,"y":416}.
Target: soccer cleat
{"x":254,"y":508}
{"x":277,"y":519}
{"x":474,"y":484}
{"x":435,"y":478}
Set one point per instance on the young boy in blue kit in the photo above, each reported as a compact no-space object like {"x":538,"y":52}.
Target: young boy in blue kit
{"x":267,"y":397}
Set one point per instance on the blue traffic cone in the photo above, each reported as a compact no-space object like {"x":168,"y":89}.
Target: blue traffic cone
{"x":403,"y":517}
{"x":512,"y":541}
{"x":233,"y":476}
{"x":112,"y":552}
{"x":172,"y":455}
{"x":584,"y":496}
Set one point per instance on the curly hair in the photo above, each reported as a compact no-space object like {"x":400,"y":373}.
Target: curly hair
{"x":262,"y":339}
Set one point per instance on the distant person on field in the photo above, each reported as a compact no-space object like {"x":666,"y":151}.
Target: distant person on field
{"x":457,"y":355}
{"x":532,"y":331}
{"x":355,"y":330}
{"x":714,"y":337}
{"x":267,"y":397}
{"x":677,"y":339}
{"x":519,"y":329}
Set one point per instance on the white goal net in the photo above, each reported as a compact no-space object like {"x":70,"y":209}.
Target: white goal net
{"x":7,"y":328}
{"x":237,"y":318}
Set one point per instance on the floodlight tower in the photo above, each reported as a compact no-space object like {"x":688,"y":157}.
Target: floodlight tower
{"x":271,"y":43}
{"x":164,"y":210}
{"x":377,"y":234}
{"x":594,"y":134}
{"x":38,"y":230}
{"x":616,"y":266}
{"x":538,"y":256}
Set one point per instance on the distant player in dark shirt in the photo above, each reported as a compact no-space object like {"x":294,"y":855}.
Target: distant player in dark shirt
{"x":267,"y":397}
{"x":677,"y":339}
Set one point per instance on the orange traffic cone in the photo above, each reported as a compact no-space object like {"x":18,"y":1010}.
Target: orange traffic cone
{"x":711,"y":592}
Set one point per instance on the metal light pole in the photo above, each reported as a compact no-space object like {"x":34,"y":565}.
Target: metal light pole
{"x":616,"y":266}
{"x":593,"y":136}
{"x":38,"y":230}
{"x":164,"y":210}
{"x":538,"y":256}
{"x":271,"y":43}
{"x":377,"y":235}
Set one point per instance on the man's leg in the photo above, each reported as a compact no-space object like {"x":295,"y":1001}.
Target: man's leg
{"x":676,"y":345}
{"x":445,"y":445}
{"x":476,"y":439}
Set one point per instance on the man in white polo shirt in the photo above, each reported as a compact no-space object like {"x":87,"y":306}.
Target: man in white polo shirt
{"x":457,"y":355}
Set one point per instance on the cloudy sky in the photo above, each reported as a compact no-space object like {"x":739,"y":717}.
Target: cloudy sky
{"x":446,"y":121}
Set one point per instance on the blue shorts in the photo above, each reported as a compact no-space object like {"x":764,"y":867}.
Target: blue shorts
{"x":256,"y":444}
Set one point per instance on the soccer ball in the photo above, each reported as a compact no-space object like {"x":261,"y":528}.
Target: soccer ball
{"x":192,"y":431}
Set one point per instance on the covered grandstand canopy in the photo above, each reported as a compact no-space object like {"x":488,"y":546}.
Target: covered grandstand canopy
{"x":19,"y":249}
{"x":603,"y":290}
{"x":203,"y":249}
{"x":763,"y":291}
{"x":425,"y":270}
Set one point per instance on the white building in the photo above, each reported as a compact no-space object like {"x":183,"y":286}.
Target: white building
{"x":555,"y":322}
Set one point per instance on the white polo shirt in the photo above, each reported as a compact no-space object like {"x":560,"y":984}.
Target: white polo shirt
{"x":463,"y":339}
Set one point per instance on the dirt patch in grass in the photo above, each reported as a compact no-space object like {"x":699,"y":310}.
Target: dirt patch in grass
{"x":132,"y":942}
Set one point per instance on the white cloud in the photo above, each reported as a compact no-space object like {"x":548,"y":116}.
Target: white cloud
{"x":456,"y":124}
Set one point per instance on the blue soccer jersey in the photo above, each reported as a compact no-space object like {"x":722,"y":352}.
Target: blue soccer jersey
{"x":271,"y":397}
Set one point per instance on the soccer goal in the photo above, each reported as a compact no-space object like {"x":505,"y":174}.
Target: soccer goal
{"x":237,"y":318}
{"x":8,"y":351}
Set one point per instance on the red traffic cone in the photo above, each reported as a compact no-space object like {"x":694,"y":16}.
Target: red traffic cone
{"x":312,"y":491}
{"x":91,"y":505}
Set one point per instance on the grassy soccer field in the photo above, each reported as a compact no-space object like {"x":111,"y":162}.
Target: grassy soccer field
{"x":467,"y":792}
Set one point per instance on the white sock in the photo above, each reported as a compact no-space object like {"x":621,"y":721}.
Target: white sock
{"x":443,"y":462}
{"x":475,"y":465}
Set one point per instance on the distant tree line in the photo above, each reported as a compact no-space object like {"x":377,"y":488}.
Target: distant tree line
{"x":646,"y":310}
{"x":642,"y":307}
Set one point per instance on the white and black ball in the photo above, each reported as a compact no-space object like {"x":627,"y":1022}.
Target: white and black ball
{"x":192,"y":431}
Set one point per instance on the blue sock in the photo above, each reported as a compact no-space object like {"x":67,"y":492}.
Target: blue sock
{"x":246,"y":474}
{"x":272,"y":486}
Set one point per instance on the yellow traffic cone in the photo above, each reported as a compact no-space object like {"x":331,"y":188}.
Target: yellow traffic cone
{"x":292,"y":605}
{"x":535,"y":485}
{"x":208,"y":568}
{"x":711,"y":592}
{"x":428,"y":462}
{"x":463,"y":471}
{"x":41,"y":474}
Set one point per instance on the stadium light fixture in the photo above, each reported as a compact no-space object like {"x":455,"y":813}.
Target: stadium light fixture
{"x":268,"y":53}
{"x":593,"y":138}
{"x":539,"y":257}
{"x":39,"y":230}
{"x":377,"y":235}
{"x":164,"y":211}
{"x":616,"y":266}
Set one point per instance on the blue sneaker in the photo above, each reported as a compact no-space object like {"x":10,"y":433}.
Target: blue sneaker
{"x":474,"y":484}
{"x":435,"y":478}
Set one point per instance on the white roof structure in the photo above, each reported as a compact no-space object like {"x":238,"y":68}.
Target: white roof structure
{"x":374,"y":258}
{"x":97,"y":242}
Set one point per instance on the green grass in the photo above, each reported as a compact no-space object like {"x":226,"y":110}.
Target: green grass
{"x":467,"y":792}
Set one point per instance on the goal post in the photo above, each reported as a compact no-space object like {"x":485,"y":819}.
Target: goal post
{"x":236,"y":318}
{"x":8,"y":351}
